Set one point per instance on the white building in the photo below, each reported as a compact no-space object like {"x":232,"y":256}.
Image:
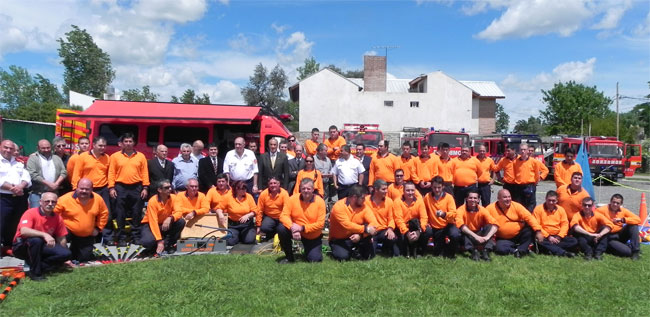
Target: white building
{"x":430,"y":100}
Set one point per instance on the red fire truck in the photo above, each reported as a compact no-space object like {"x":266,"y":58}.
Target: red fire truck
{"x":417,"y":137}
{"x":362,"y":133}
{"x":495,"y":144}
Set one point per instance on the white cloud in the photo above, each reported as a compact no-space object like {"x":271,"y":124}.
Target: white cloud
{"x":643,"y":28}
{"x":180,"y":11}
{"x":224,"y":2}
{"x":278,"y":28}
{"x":370,"y":53}
{"x":613,"y":12}
{"x":292,"y":51}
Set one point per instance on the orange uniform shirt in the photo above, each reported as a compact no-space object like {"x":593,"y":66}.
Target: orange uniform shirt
{"x":384,"y":212}
{"x":425,"y":169}
{"x":82,"y":219}
{"x":185,"y":205}
{"x":158,"y":211}
{"x":512,"y":220}
{"x":271,"y":205}
{"x":446,"y":204}
{"x":405,"y":212}
{"x":592,"y":223}
{"x":475,"y":220}
{"x":563,"y":172}
{"x":396,"y":192}
{"x":408,"y":165}
{"x":571,"y":202}
{"x":465,"y":172}
{"x":487,"y":166}
{"x":384,"y":168}
{"x":310,"y":214}
{"x":543,"y":170}
{"x":91,"y":167}
{"x":445,"y":169}
{"x":529,"y":171}
{"x":553,"y":223}
{"x":346,"y":221}
{"x":331,"y":153}
{"x":236,"y":207}
{"x":508,"y":167}
{"x":310,"y":147}
{"x":630,"y":218}
{"x":70,"y":165}
{"x":128,"y":169}
{"x":314,"y":175}
{"x":215,"y":197}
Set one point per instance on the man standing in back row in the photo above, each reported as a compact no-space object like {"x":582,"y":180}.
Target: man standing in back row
{"x":240,"y":164}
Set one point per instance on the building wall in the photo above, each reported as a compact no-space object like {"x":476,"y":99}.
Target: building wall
{"x":487,"y":113}
{"x":374,"y":73}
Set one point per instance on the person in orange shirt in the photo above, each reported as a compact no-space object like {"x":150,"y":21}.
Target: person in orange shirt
{"x":528,"y":172}
{"x":486,"y":179}
{"x":191,"y":202}
{"x":396,"y":189}
{"x":241,"y":210}
{"x":441,"y":213}
{"x":93,"y":165}
{"x":465,"y":172}
{"x":477,"y":227}
{"x":352,"y":224}
{"x":555,"y":227}
{"x":411,"y":219}
{"x":384,"y":164}
{"x":565,"y":169}
{"x":163,"y":224}
{"x":591,"y":230}
{"x":312,"y":144}
{"x":84,"y":145}
{"x":85,"y":215}
{"x":270,"y":205}
{"x":516,"y":226}
{"x":626,"y":227}
{"x":425,"y":168}
{"x":303,"y":218}
{"x":310,"y":172}
{"x":128,"y":183}
{"x":444,"y":167}
{"x":570,"y":196}
{"x":382,"y":207}
{"x":507,"y":165}
{"x":407,"y":162}
{"x":334,"y":143}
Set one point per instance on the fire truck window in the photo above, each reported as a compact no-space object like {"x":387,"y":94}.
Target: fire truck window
{"x":152,"y":135}
{"x":112,"y":132}
{"x":633,"y":151}
{"x":173,"y":137}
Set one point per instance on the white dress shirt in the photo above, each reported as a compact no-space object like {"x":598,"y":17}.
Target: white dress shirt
{"x":13,"y":172}
{"x":240,"y":168}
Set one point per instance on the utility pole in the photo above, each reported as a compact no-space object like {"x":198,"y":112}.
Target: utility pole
{"x":617,"y":114}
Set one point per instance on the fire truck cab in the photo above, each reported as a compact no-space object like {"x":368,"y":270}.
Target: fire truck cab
{"x":496,"y":144}
{"x":432,"y":137}
{"x":361,"y":133}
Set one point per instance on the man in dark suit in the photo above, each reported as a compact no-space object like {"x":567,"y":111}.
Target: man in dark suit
{"x":209,"y":167}
{"x":159,"y":168}
{"x":296,"y":164}
{"x":365,"y":161}
{"x":273,"y":163}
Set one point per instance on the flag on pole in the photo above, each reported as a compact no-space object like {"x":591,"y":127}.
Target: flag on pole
{"x":583,"y":160}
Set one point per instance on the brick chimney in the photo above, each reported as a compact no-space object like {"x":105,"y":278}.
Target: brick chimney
{"x":374,"y":73}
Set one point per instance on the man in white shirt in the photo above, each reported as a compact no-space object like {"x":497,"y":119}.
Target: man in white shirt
{"x":347,"y":171}
{"x":14,"y":179}
{"x":46,"y":171}
{"x":240,"y":164}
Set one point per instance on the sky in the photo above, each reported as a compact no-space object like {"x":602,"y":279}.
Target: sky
{"x":213,"y":46}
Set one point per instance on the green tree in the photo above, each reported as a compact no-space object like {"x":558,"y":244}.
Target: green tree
{"x":88,"y":68}
{"x":310,"y":67}
{"x":190,"y":97}
{"x":140,"y":95}
{"x":641,"y":112}
{"x":355,"y":73}
{"x":570,"y":104}
{"x":502,"y":120}
{"x":334,"y":68}
{"x":531,"y":126}
{"x":27,"y":97}
{"x":266,"y":89}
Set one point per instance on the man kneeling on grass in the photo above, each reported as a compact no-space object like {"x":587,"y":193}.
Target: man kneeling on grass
{"x":477,"y":227}
{"x":516,"y":226}
{"x":555,"y":227}
{"x":352,"y":225}
{"x":626,"y":227}
{"x":165,"y":223}
{"x":303,"y":218}
{"x":591,"y":230}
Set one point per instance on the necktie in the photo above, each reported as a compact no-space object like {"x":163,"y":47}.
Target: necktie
{"x":214,"y":164}
{"x":272,"y":160}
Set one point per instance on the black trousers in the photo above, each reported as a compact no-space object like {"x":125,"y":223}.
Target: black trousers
{"x":588,"y":246}
{"x":81,"y":247}
{"x":460,"y":192}
{"x":513,"y":189}
{"x":39,"y":256}
{"x":526,"y":196}
{"x":520,"y":242}
{"x":388,"y":247}
{"x":170,"y":237}
{"x":313,"y":247}
{"x":406,"y":247}
{"x":617,"y":242}
{"x":342,"y":191}
{"x":448,"y":187}
{"x":470,"y":244}
{"x":128,"y":204}
{"x":270,"y":226}
{"x":11,"y":209}
{"x":567,"y":243}
{"x":485,"y":190}
{"x":242,"y":232}
{"x":342,"y":248}
{"x":440,"y":246}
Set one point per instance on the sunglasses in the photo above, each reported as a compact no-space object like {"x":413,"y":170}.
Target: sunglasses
{"x":166,"y":187}
{"x":587,"y":205}
{"x":310,"y":161}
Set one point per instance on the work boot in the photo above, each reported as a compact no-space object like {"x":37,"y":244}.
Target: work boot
{"x":485,"y":256}
{"x":475,"y":256}
{"x":569,"y":254}
{"x":635,"y":255}
{"x":598,"y":256}
{"x":588,"y":257}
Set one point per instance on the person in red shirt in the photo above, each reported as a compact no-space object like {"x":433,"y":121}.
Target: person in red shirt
{"x":40,"y":238}
{"x":477,"y":227}
{"x":626,"y":227}
{"x":591,"y":229}
{"x":303,"y":218}
{"x":382,"y":206}
{"x":555,"y":227}
{"x":352,"y":225}
{"x":162,"y":225}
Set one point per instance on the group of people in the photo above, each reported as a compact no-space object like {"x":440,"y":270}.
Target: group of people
{"x":298,"y":192}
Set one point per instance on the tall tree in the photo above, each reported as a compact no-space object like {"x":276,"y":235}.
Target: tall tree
{"x":502,"y":120}
{"x":310,"y":67}
{"x":88,"y":68}
{"x":570,"y":104}
{"x":355,"y":73}
{"x":140,"y":95}
{"x":531,"y":126}
{"x":190,"y":97}
{"x":266,"y":89}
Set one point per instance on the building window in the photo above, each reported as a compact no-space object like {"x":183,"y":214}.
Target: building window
{"x":415,"y":104}
{"x":388,"y":103}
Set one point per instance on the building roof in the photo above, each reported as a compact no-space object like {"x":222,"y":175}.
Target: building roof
{"x":484,"y":88}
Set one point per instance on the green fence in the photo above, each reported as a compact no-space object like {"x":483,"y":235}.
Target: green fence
{"x":26,"y":133}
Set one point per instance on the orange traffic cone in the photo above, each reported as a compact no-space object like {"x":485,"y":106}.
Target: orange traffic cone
{"x":643,"y":211}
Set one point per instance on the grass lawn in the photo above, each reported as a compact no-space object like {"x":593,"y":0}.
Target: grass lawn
{"x":257,"y":285}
